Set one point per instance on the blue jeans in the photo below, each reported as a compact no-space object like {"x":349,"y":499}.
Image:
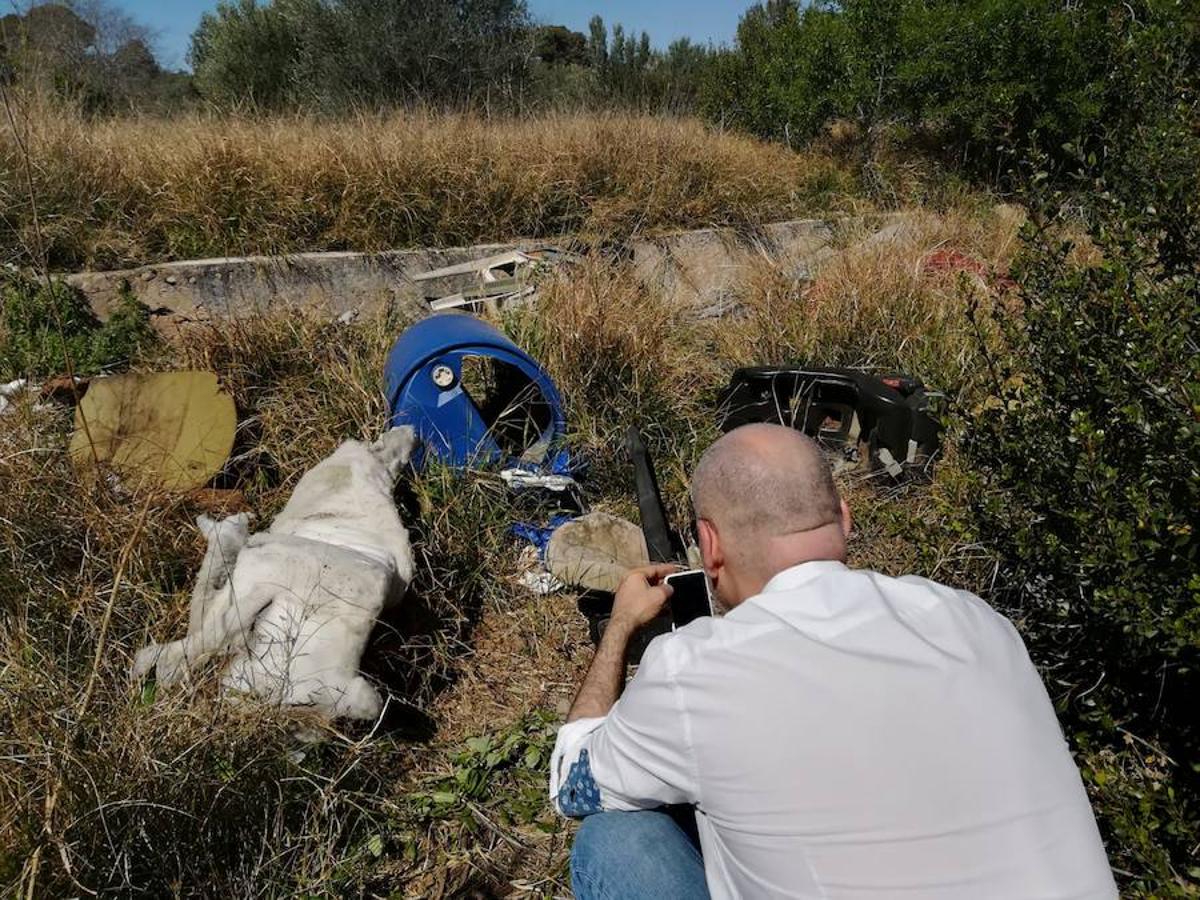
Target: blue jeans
{"x":636,"y":855}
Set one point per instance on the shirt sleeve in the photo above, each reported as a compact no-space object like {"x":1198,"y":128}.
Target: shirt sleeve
{"x":637,"y":757}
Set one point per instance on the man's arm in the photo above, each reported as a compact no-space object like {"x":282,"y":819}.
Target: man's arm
{"x":632,"y":754}
{"x":639,"y":599}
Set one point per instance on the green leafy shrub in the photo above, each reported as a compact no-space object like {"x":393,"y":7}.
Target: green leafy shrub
{"x":983,"y":84}
{"x":305,"y":53}
{"x":787,"y":76}
{"x":1089,"y":451}
{"x":505,"y":770}
{"x":45,"y":324}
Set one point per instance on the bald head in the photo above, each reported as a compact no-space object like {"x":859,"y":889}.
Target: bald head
{"x":765,"y":500}
{"x":765,"y":480}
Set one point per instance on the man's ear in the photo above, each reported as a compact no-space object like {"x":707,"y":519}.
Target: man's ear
{"x":711,"y":552}
{"x":847,"y":519}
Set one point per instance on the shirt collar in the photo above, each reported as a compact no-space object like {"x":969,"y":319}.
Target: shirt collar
{"x":796,"y":576}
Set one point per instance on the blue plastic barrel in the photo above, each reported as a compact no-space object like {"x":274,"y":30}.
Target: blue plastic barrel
{"x":423,"y":379}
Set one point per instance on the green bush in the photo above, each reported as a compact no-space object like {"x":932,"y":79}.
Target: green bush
{"x":987,"y":83}
{"x":787,"y":76}
{"x":45,"y":324}
{"x":629,"y":72}
{"x":1088,"y":451}
{"x":313,"y":54}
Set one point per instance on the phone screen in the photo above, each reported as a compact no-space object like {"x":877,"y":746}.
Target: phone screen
{"x":689,"y":598}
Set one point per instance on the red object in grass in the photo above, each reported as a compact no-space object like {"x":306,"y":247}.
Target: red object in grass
{"x":947,"y":260}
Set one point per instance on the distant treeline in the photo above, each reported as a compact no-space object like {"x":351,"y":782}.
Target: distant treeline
{"x":984,"y":84}
{"x":329,"y":55}
{"x":316,"y":54}
{"x":92,"y":54}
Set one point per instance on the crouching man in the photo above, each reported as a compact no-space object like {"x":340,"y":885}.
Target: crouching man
{"x":838,"y":733}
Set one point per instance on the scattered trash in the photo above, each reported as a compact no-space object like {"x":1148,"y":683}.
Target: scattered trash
{"x":539,"y":535}
{"x":54,"y":390}
{"x":540,"y":582}
{"x":9,"y":391}
{"x":946,"y":260}
{"x":475,"y":398}
{"x":497,"y":279}
{"x":519,"y":479}
{"x":63,"y":390}
{"x":172,"y":430}
{"x":532,"y":574}
{"x":843,"y":409}
{"x":595,"y":551}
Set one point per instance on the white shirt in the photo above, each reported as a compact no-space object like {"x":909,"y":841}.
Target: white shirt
{"x":846,"y":734}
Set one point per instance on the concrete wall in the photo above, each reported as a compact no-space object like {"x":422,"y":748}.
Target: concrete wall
{"x":327,"y":283}
{"x":703,"y":268}
{"x":700,"y":268}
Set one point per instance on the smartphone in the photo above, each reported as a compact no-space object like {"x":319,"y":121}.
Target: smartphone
{"x":690,"y":597}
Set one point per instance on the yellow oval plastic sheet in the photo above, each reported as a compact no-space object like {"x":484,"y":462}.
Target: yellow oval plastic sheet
{"x":172,"y":430}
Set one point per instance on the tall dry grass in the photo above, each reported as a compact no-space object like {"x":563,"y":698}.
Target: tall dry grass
{"x":111,"y":788}
{"x":879,"y":304}
{"x":115,"y":193}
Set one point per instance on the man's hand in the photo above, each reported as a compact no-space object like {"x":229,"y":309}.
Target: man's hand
{"x":639,"y":599}
{"x":642,"y":595}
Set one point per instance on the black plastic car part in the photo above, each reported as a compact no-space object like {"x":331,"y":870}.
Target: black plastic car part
{"x":662,"y":543}
{"x":846,"y":408}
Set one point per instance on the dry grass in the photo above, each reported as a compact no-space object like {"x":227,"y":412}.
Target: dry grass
{"x":122,"y":192}
{"x":122,"y":791}
{"x":118,"y":789}
{"x":878,"y":305}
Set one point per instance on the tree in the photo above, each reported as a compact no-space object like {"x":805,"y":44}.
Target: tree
{"x":558,"y":46}
{"x":989,"y":80}
{"x":681,"y":72}
{"x":630,"y":72}
{"x":789,"y":73}
{"x":88,"y":52}
{"x":329,"y":53}
{"x":47,"y":40}
{"x":598,"y":43}
{"x":244,"y":52}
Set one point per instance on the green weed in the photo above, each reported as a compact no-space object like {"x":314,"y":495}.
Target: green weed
{"x":48,"y":329}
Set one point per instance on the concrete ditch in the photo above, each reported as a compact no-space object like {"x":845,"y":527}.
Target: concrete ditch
{"x":700,"y":268}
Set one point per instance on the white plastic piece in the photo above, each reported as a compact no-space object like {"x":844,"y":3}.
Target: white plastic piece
{"x":889,"y":462}
{"x":10,"y":390}
{"x":476,"y":266}
{"x":518,"y":479}
{"x":454,"y":301}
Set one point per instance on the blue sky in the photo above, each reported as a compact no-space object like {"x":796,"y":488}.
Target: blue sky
{"x":702,"y":20}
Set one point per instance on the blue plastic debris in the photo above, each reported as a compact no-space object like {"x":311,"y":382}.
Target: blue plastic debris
{"x":520,"y":423}
{"x":539,"y":535}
